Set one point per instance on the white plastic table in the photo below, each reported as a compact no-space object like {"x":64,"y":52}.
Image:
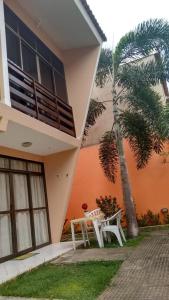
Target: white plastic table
{"x":83,"y":222}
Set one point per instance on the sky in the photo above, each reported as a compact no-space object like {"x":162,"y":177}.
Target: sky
{"x":117,"y":17}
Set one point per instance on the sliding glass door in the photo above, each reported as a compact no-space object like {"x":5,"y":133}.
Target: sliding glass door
{"x":5,"y":217}
{"x":39,"y":210}
{"x":24,"y":221}
{"x":22,"y":212}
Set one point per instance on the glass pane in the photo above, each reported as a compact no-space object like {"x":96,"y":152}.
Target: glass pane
{"x":60,"y":87}
{"x":5,"y":236}
{"x":10,"y":18}
{"x":13,"y":47}
{"x":4,"y":163}
{"x":38,"y":193}
{"x":41,"y":227}
{"x":57,"y":64}
{"x":23,"y":229}
{"x":33,"y":167}
{"x":27,"y":34}
{"x":4,"y":192}
{"x":46,"y":75}
{"x":44,"y":51}
{"x":20,"y":191}
{"x":29,"y":61}
{"x":18,"y":165}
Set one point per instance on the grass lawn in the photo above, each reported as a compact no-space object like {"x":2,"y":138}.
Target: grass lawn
{"x":84,"y":281}
{"x":114,"y":243}
{"x":130,"y":242}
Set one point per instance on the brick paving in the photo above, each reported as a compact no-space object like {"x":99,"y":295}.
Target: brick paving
{"x":145,"y":274}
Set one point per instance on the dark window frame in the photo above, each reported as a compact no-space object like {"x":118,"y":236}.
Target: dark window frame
{"x":41,"y":60}
{"x":12,"y":211}
{"x":8,"y":30}
{"x":60,"y":70}
{"x":23,"y":44}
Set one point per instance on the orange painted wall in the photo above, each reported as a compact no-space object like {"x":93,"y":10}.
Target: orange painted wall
{"x":150,"y":185}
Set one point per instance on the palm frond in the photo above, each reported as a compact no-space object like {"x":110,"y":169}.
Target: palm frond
{"x":158,"y":144}
{"x":104,"y":67}
{"x":147,"y":103}
{"x":164,"y":122}
{"x":149,"y":36}
{"x":148,"y":73}
{"x":108,"y":155}
{"x":140,"y":138}
{"x":96,"y":108}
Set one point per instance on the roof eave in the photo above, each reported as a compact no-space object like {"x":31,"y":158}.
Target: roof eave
{"x":94,"y":21}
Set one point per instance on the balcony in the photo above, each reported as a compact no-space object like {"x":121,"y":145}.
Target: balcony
{"x":33,"y":99}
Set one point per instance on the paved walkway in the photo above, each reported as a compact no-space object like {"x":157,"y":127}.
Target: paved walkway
{"x":145,"y":274}
{"x":94,"y":254}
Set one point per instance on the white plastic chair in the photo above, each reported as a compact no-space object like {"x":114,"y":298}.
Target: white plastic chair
{"x":93,"y":213}
{"x":116,"y":229}
{"x":96,"y":223}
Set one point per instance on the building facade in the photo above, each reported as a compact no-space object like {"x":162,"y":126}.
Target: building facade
{"x":48,"y":55}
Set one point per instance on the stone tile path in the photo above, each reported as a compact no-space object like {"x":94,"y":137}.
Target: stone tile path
{"x":145,"y":274}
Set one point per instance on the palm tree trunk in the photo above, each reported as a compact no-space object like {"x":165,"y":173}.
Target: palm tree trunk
{"x":132,"y":226}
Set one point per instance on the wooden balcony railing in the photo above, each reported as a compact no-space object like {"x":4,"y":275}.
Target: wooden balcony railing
{"x":35,"y":100}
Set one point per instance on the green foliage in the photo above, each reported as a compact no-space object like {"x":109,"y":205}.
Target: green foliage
{"x":108,"y":155}
{"x":134,"y":242}
{"x":163,"y":122}
{"x":151,"y":35}
{"x":96,"y":108}
{"x":108,"y":205}
{"x":140,"y":136}
{"x":72,"y":281}
{"x":138,"y":73}
{"x":141,"y":118}
{"x":166,"y":218}
{"x":147,"y":103}
{"x":104,"y":66}
{"x":149,"y":219}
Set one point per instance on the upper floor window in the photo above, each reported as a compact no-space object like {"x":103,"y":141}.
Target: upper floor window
{"x":13,"y":47}
{"x":28,"y":52}
{"x":29,"y":61}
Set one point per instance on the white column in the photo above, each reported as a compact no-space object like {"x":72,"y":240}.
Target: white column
{"x":4,"y":80}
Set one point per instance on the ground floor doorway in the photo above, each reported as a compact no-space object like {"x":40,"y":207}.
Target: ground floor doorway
{"x":24,"y":219}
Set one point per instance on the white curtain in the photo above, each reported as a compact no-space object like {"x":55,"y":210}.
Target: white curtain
{"x":23,"y":228}
{"x":5,"y":224}
{"x":20,"y":191}
{"x":4,"y":192}
{"x":4,"y":163}
{"x":5,"y":236}
{"x":18,"y":165}
{"x":41,"y":227}
{"x":40,"y":217}
{"x":38,"y":194}
{"x":33,"y":167}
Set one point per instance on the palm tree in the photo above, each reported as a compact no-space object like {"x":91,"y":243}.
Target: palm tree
{"x":138,"y":114}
